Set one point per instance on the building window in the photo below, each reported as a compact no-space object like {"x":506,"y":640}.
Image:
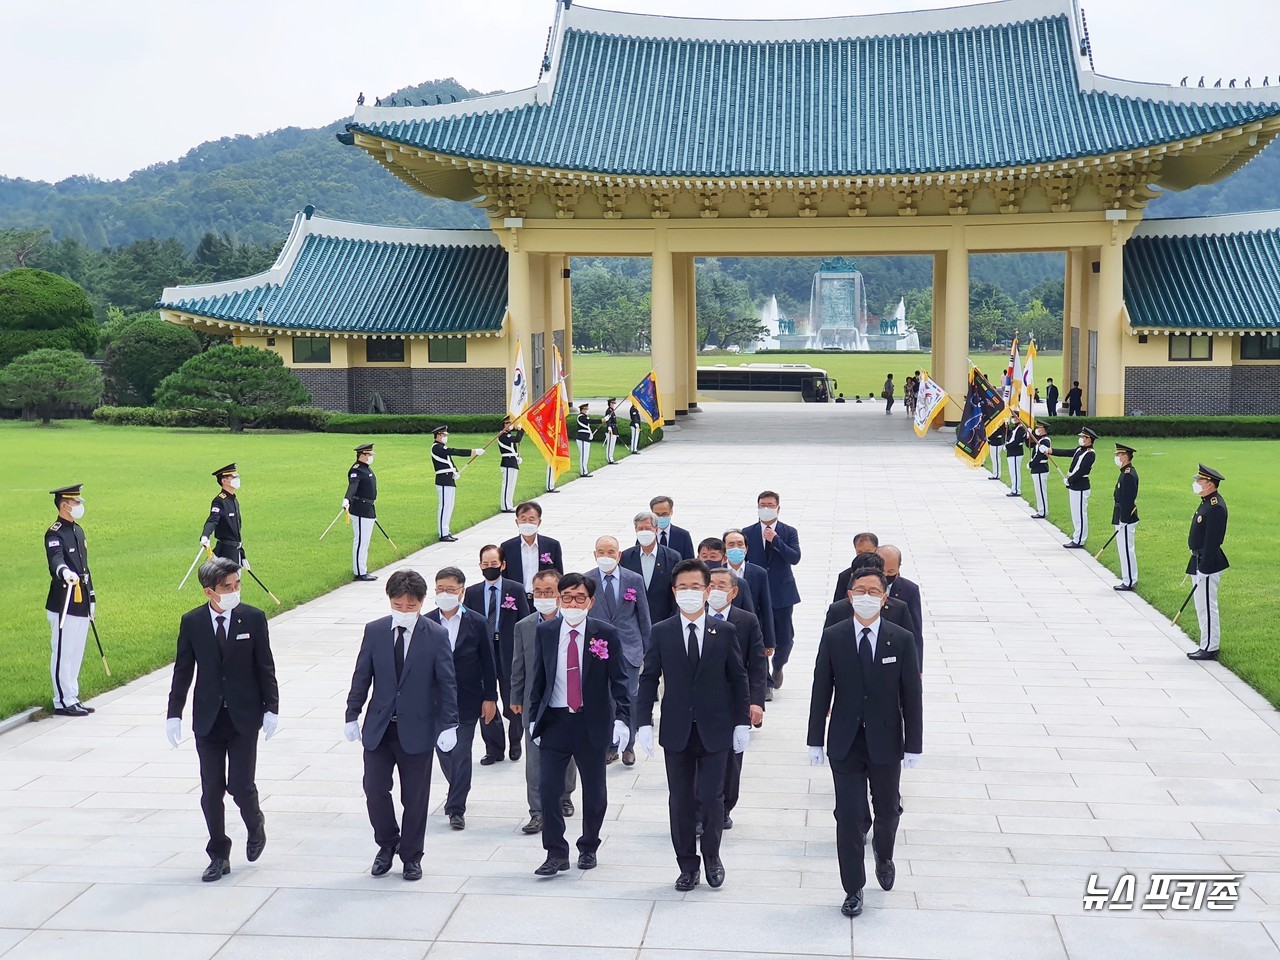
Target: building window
{"x":447,"y":349}
{"x":310,"y":349}
{"x":1190,"y":346}
{"x":384,"y":351}
{"x":1260,"y":346}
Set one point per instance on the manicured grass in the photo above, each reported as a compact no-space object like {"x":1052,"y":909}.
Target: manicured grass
{"x":604,"y":375}
{"x":147,"y":494}
{"x":1247,"y":598}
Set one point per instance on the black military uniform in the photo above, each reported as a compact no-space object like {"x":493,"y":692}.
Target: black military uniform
{"x":358,"y":501}
{"x":635,"y":428}
{"x":1013,"y":450}
{"x":446,"y":480}
{"x":70,"y":587}
{"x":610,"y":424}
{"x":1041,"y":445}
{"x":1208,"y":531}
{"x":1124,"y":517}
{"x":996,"y":441}
{"x":1077,"y":483}
{"x":225,"y":519}
{"x":509,"y":449}
{"x":584,"y":441}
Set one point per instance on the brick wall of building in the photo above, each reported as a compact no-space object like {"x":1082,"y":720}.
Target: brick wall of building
{"x":459,"y":390}
{"x":1255,"y":388}
{"x":393,"y":384}
{"x":1159,"y":391}
{"x":330,"y":387}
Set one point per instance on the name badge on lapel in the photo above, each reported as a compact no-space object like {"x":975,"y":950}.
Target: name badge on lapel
{"x":889,"y":660}
{"x":245,"y":636}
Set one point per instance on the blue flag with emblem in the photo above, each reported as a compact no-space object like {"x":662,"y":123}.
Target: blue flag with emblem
{"x":644,"y":397}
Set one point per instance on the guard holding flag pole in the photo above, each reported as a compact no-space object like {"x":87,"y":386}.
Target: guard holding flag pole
{"x":1077,"y":483}
{"x":584,"y":440}
{"x":362,"y":491}
{"x":225,"y":519}
{"x":1124,"y":517}
{"x":71,"y":602}
{"x":446,"y":479}
{"x":1015,"y":443}
{"x":610,"y":424}
{"x":1208,"y":531}
{"x":509,"y":449}
{"x":1041,"y":447}
{"x":635,"y":428}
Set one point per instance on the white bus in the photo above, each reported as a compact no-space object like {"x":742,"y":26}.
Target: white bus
{"x":795,"y":382}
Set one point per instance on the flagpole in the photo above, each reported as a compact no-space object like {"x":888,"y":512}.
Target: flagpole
{"x":474,"y":455}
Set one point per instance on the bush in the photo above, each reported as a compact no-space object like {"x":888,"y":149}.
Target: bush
{"x":373,"y":423}
{"x":40,"y":310}
{"x":1237,"y":428}
{"x":143,"y":354}
{"x":45,"y":380}
{"x":311,"y":419}
{"x":152,"y":417}
{"x":244,"y":382}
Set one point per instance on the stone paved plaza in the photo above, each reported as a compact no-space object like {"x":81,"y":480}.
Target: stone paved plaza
{"x":1065,"y":733}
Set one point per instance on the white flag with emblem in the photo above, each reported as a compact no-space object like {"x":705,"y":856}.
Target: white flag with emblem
{"x":519,"y":384}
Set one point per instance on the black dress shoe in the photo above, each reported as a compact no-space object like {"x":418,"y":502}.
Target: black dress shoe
{"x":728,"y":823}
{"x":687,"y":881}
{"x":628,"y":758}
{"x":85,"y":708}
{"x":74,"y":710}
{"x":506,"y":511}
{"x":257,"y":842}
{"x":382,"y":862}
{"x":715,"y":873}
{"x":216,"y":870}
{"x":365,"y":577}
{"x":584,"y":474}
{"x":566,"y":807}
{"x":517,"y":751}
{"x":488,"y":761}
{"x":1037,"y":516}
{"x":768,"y":695}
{"x":586,"y":861}
{"x":413,"y":870}
{"x":1013,"y":494}
{"x":777,"y":677}
{"x":553,"y":490}
{"x":1203,"y":655}
{"x":457,"y":821}
{"x":1072,"y":545}
{"x":533,"y":826}
{"x":611,"y":756}
{"x":1123,"y":587}
{"x":551,"y":867}
{"x":993,"y":477}
{"x":449,"y":539}
{"x":885,"y":873}
{"x":852,"y":906}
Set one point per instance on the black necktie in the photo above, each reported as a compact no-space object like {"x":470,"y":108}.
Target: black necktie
{"x":663,"y":541}
{"x":221,"y":632}
{"x":694,"y":656}
{"x":492,"y":616}
{"x":399,"y":651}
{"x":608,"y":588}
{"x":864,"y":651}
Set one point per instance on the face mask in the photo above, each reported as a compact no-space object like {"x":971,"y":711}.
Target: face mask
{"x":546,"y":605}
{"x":1119,"y":462}
{"x":1081,"y":442}
{"x":229,"y":601}
{"x":690,"y":601}
{"x":736,"y":555}
{"x":866,"y":607}
{"x":444,"y":438}
{"x":369,"y":462}
{"x":664,"y":522}
{"x":405,"y":620}
{"x":77,"y":511}
{"x":607,"y":564}
{"x":719,"y":599}
{"x":768,"y":514}
{"x":573,"y":615}
{"x":447,"y":601}
{"x":645,"y":537}
{"x":235,"y":483}
{"x":1196,"y":487}
{"x":491,"y":573}
{"x":527,"y":529}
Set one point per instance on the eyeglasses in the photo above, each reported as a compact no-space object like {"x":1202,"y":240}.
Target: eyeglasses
{"x":575,"y":599}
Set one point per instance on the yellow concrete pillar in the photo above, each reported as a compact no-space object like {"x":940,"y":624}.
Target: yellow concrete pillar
{"x":520,"y":308}
{"x":680,"y":294}
{"x":662,"y":334}
{"x":937,"y":339}
{"x":1068,"y":305}
{"x":1109,"y":324}
{"x":955,"y":355}
{"x":691,"y":314}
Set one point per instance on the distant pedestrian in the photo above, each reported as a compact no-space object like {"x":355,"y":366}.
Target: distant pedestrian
{"x":887,"y":393}
{"x":1075,"y":405}
{"x":840,"y":399}
{"x":1051,"y":397}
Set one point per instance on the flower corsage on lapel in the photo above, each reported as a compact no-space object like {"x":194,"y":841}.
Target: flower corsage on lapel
{"x":508,"y":602}
{"x":599,"y":648}
{"x":629,"y":595}
{"x":545,"y":558}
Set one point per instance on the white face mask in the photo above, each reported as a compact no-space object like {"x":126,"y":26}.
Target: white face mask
{"x":1119,"y":462}
{"x":768,"y":514}
{"x":77,"y":511}
{"x":234,"y":483}
{"x":866,"y":607}
{"x":546,"y":605}
{"x":229,"y":601}
{"x":573,"y":615}
{"x":447,"y":601}
{"x":406,"y":620}
{"x":1081,"y":442}
{"x":1196,"y":487}
{"x":719,"y":599}
{"x":607,"y":564}
{"x":527,"y":529}
{"x":369,"y":462}
{"x":690,"y":601}
{"x":645,"y":537}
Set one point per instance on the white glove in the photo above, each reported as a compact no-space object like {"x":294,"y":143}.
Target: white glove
{"x":741,"y":737}
{"x":537,"y":741}
{"x":244,"y":565}
{"x":351,"y":731}
{"x":621,"y":734}
{"x":910,"y":760}
{"x":204,"y":541}
{"x":447,"y":740}
{"x":270,"y":724}
{"x":815,"y":756}
{"x":1066,"y":484}
{"x":346,"y":504}
{"x":478,"y":452}
{"x":69,"y":575}
{"x":644,"y":740}
{"x":519,"y":460}
{"x":173,"y":730}
{"x":93,"y":609}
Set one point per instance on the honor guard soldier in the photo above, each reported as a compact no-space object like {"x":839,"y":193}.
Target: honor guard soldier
{"x":1015,"y":443}
{"x":635,"y":429}
{"x":224,"y":519}
{"x":446,"y":479}
{"x":1208,"y":530}
{"x":70,"y":604}
{"x":362,"y":490}
{"x":1041,"y":447}
{"x":584,"y":440}
{"x":1124,"y":517}
{"x":996,"y":442}
{"x":610,"y":424}
{"x":1077,"y":483}
{"x":509,"y":449}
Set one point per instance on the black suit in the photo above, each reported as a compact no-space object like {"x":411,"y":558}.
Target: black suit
{"x":477,"y":681}
{"x":405,"y":716}
{"x":908,"y":591}
{"x":582,"y":736}
{"x":751,"y":640}
{"x":678,"y":539}
{"x":513,"y":605}
{"x":515,"y":559}
{"x":874,"y":720}
{"x":1051,"y":399}
{"x":895,"y":612}
{"x":700,"y":709}
{"x":662,"y":602}
{"x":235,"y":685}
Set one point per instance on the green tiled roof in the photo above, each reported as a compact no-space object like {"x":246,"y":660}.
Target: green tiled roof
{"x":990,"y":86}
{"x":1207,"y":273}
{"x":334,"y":276}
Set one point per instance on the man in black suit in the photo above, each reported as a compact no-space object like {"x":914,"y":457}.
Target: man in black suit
{"x":227,"y":648}
{"x":895,"y":611}
{"x":863,"y":543}
{"x":476,"y":678}
{"x":579,"y":686}
{"x":908,"y":591}
{"x":669,"y":535}
{"x":654,"y":563}
{"x":753,"y":580}
{"x":1075,"y":399}
{"x":1051,"y":397}
{"x":875,"y":729}
{"x":406,"y":659}
{"x":776,"y":547}
{"x":705,"y":715}
{"x":502,"y":603}
{"x":530,"y":551}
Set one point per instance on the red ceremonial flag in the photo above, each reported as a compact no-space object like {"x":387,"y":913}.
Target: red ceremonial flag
{"x":549,"y":430}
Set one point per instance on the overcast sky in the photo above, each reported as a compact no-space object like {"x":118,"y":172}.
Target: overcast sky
{"x":103,"y":88}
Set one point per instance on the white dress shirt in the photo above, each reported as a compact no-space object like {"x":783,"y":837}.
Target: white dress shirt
{"x":647,"y":562}
{"x":529,"y":558}
{"x":873,"y":638}
{"x":560,"y":685}
{"x":226,"y":620}
{"x":451,"y":624}
{"x":700,"y":624}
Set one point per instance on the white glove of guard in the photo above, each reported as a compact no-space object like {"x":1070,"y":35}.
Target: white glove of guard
{"x":93,"y":609}
{"x":346,"y":504}
{"x":741,"y":738}
{"x":815,"y":756}
{"x":351,"y":731}
{"x":173,"y":730}
{"x":621,"y":734}
{"x":519,"y":460}
{"x":478,"y":452}
{"x":204,"y":541}
{"x":644,"y":740}
{"x":270,"y":724}
{"x":447,"y":740}
{"x":69,"y":575}
{"x":910,"y":760}
{"x":244,"y":564}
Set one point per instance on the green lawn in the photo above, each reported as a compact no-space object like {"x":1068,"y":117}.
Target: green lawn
{"x":605,"y":375}
{"x":147,"y":494}
{"x":1248,"y":600}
